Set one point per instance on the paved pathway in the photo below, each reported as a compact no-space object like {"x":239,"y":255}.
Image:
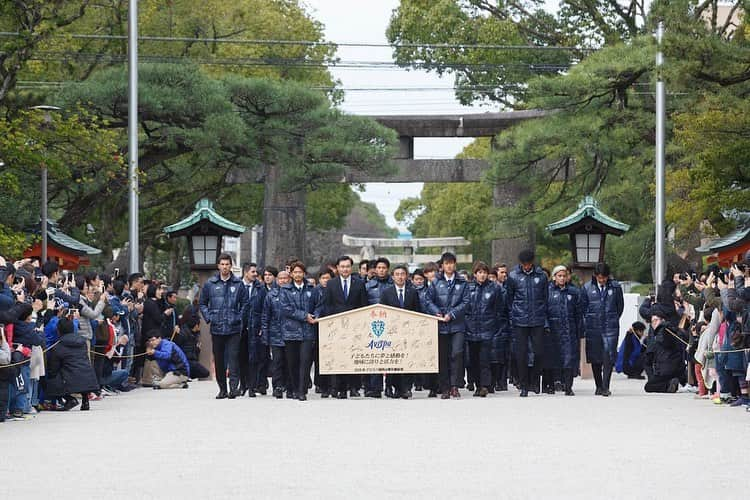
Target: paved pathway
{"x":184,"y":444}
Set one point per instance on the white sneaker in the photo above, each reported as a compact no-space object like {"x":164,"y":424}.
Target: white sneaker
{"x":691,"y":388}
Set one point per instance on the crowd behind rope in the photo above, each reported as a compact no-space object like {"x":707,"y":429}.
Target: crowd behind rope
{"x":69,"y":339}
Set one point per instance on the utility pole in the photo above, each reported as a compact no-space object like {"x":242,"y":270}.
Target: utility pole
{"x":45,"y":218}
{"x":133,"y":260}
{"x":660,"y":236}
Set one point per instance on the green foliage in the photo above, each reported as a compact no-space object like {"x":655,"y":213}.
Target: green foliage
{"x":376,"y":218}
{"x":77,"y":151}
{"x":599,"y":136}
{"x":328,"y":206}
{"x":197,"y":131}
{"x":68,"y":58}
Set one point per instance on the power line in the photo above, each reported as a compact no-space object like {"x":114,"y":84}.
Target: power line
{"x":311,"y":43}
{"x":51,"y":56}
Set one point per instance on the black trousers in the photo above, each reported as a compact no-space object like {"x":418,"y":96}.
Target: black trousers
{"x":197,"y":370}
{"x":262,"y":364}
{"x":499,"y":375}
{"x":226,"y":349}
{"x":299,"y":360}
{"x":602,"y":373}
{"x":524,"y":334}
{"x":567,"y":378}
{"x":479,"y":363}
{"x":374,"y":382}
{"x":279,"y":371}
{"x":347,"y":382}
{"x":658,"y":383}
{"x":243,"y":356}
{"x":450,"y":361}
{"x":4,"y":390}
{"x":636,"y":370}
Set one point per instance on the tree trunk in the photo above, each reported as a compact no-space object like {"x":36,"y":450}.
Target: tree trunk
{"x":284,"y":221}
{"x":512,"y":237}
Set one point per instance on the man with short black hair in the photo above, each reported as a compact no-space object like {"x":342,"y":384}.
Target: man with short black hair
{"x":171,"y":360}
{"x":403,"y":295}
{"x":342,"y":294}
{"x":364,"y":265}
{"x":602,"y":304}
{"x":223,"y":304}
{"x":254,"y":357}
{"x":448,"y":299}
{"x":374,"y":288}
{"x":527,"y":290}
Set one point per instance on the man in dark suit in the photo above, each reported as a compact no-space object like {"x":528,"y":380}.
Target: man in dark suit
{"x":402,"y":295}
{"x":345,"y":293}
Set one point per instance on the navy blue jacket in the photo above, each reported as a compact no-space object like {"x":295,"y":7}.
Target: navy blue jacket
{"x":7,"y":297}
{"x":254,"y":311}
{"x":374,"y":289}
{"x":484,"y":311}
{"x":271,"y":319}
{"x":565,"y":320}
{"x":443,"y":299}
{"x":223,"y":304}
{"x":601,"y":319}
{"x":527,"y":297}
{"x":296,"y":304}
{"x":501,"y":340}
{"x":25,"y":333}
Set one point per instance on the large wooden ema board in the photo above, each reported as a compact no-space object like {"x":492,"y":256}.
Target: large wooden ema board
{"x":378,"y":339}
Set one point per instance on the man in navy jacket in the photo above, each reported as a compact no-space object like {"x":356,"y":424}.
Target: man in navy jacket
{"x":448,"y":299}
{"x":223,"y":304}
{"x":527,"y":290}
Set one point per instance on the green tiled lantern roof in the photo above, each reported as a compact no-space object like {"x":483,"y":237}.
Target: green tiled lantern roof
{"x":204,"y":214}
{"x":68,"y":242}
{"x":588,"y":208}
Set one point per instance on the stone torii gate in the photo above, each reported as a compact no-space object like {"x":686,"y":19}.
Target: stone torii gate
{"x":284,"y":213}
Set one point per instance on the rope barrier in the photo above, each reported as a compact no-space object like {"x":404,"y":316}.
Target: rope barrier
{"x":129,"y":356}
{"x":28,"y":360}
{"x":687,"y":344}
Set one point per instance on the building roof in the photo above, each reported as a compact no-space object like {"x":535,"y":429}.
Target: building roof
{"x":204,"y":213}
{"x":736,"y":237}
{"x":588,"y":208}
{"x":68,"y":242}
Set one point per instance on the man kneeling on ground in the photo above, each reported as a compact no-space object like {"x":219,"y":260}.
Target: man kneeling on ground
{"x":665,"y":355}
{"x":171,"y":360}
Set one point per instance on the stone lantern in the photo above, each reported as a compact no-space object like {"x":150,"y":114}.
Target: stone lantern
{"x":588,"y":228}
{"x":204,"y":229}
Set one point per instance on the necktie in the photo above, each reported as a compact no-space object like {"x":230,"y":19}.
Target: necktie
{"x":401,"y":297}
{"x":346,"y":290}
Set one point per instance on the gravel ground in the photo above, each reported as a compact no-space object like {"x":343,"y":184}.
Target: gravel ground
{"x":184,"y":444}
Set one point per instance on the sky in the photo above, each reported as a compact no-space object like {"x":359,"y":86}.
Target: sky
{"x":365,"y":21}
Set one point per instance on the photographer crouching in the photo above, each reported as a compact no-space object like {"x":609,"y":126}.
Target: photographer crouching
{"x":665,"y":355}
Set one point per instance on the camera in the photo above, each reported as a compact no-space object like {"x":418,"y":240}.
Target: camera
{"x":741,"y":266}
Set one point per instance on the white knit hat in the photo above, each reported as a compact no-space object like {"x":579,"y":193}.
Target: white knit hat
{"x":557,"y":269}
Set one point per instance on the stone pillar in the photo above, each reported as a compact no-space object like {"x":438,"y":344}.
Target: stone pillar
{"x":512,"y":237}
{"x":283,"y":221}
{"x":246,"y":245}
{"x":405,"y":148}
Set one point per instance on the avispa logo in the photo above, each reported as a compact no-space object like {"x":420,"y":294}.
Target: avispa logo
{"x":377,"y":327}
